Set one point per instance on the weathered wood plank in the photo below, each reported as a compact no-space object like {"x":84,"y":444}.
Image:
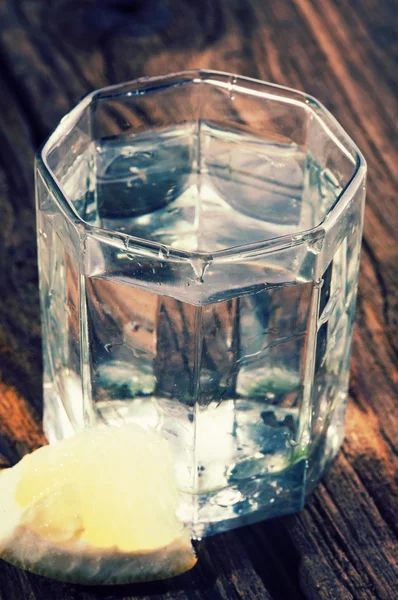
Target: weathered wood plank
{"x":343,"y":545}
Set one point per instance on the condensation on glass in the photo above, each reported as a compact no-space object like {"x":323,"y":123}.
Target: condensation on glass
{"x":199,"y":238}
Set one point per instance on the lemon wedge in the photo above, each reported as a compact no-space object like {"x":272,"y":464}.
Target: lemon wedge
{"x":98,"y":508}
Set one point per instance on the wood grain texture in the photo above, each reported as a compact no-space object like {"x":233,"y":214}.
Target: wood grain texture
{"x":52,"y":52}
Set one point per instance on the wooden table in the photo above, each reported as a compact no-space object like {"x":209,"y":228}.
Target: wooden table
{"x":341,"y":51}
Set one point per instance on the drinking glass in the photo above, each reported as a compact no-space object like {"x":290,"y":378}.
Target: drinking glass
{"x":199,"y":237}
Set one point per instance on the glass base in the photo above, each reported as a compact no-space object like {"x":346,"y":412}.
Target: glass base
{"x":244,"y":500}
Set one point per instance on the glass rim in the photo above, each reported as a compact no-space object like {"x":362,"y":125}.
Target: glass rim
{"x":221,"y":79}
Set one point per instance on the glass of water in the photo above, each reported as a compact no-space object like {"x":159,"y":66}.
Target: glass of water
{"x":199,"y":238}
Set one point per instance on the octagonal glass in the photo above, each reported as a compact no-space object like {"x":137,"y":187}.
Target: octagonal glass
{"x":199,"y":238}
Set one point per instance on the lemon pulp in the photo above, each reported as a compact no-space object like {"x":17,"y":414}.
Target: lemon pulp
{"x":105,"y":493}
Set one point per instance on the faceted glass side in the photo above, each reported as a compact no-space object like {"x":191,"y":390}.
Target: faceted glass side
{"x":60,"y":301}
{"x":199,"y":240}
{"x":333,"y":346}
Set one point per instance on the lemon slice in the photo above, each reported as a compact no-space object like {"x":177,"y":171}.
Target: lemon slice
{"x":98,"y":508}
